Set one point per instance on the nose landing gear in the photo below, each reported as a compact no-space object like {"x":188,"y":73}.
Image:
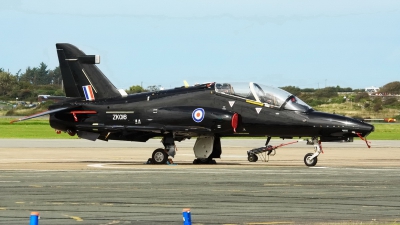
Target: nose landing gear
{"x":311,"y":159}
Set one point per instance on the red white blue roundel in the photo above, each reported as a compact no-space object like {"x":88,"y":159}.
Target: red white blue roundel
{"x":198,"y":115}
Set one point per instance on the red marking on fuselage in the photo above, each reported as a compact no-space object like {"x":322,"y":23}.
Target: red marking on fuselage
{"x":82,"y":112}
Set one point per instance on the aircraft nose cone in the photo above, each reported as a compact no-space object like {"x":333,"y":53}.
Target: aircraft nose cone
{"x":373,"y":128}
{"x":358,"y":126}
{"x":346,"y":124}
{"x":365,"y":128}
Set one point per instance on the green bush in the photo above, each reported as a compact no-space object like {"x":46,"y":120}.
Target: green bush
{"x":361,"y":96}
{"x":338,"y":100}
{"x":390,"y":101}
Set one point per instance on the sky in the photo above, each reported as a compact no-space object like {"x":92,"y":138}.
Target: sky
{"x":308,"y":43}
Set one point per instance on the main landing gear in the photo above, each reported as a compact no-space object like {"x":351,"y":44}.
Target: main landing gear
{"x":310,"y":159}
{"x":204,"y":161}
{"x":206,"y":148}
{"x":160,"y":156}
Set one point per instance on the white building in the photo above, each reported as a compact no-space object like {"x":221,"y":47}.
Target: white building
{"x":371,"y":89}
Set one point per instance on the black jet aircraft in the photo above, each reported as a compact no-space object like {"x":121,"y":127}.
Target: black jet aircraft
{"x":95,"y":109}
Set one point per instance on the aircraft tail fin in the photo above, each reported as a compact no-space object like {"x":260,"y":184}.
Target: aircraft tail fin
{"x":81,"y":78}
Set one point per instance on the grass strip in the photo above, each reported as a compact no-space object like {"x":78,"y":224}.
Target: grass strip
{"x":30,"y":129}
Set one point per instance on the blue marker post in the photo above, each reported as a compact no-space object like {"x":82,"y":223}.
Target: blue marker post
{"x":34,"y":218}
{"x":186,"y":217}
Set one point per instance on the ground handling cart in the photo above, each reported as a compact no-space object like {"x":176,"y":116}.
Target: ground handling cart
{"x":265,"y":152}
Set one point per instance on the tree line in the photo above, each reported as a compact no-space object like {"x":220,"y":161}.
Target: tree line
{"x":27,"y":85}
{"x":328,"y":95}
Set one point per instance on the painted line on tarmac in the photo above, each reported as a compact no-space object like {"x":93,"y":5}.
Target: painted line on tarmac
{"x":230,"y":171}
{"x":38,"y":160}
{"x":373,"y":169}
{"x":88,"y":182}
{"x":198,"y":170}
{"x":100,"y":165}
{"x":76,"y":218}
{"x":268,"y":223}
{"x":192,"y":170}
{"x":111,"y":166}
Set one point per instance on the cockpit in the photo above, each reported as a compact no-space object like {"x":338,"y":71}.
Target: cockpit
{"x":271,"y":97}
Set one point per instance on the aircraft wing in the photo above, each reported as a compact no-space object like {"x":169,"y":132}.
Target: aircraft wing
{"x":160,"y":128}
{"x":40,"y":114}
{"x":149,"y":128}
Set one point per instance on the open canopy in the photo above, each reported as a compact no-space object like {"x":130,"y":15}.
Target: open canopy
{"x":270,"y":96}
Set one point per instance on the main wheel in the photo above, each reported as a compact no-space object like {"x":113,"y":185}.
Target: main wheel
{"x":310,"y":162}
{"x":159,"y":156}
{"x":204,"y":161}
{"x":252,"y":158}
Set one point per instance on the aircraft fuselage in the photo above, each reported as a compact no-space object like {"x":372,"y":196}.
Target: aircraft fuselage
{"x":158,"y":111}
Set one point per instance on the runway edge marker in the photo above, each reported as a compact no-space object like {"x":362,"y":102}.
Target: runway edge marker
{"x":34,"y":219}
{"x":186,"y":217}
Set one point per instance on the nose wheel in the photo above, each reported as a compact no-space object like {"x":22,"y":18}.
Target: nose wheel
{"x":309,"y":160}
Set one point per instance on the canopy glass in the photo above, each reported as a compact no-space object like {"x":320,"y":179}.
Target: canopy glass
{"x":270,"y":96}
